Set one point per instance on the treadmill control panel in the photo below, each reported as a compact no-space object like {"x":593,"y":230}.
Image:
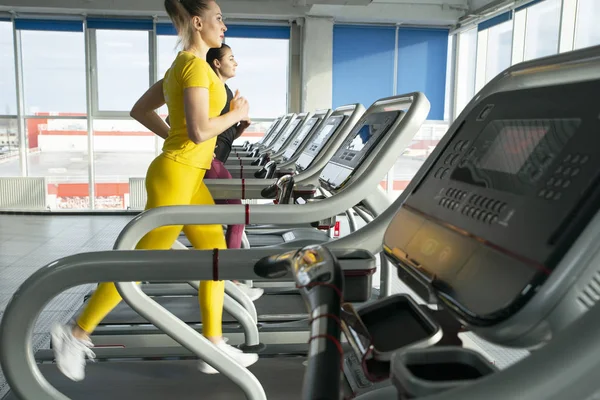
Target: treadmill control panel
{"x":306,"y":129}
{"x":277,"y":131}
{"x":508,"y":195}
{"x":357,"y":146}
{"x":319,"y":141}
{"x":288,"y":132}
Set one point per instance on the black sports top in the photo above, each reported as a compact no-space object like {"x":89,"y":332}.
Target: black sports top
{"x":225,"y":139}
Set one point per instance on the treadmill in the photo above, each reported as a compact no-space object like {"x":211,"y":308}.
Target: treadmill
{"x":526,"y":279}
{"x":270,"y":138}
{"x":242,"y":167}
{"x":384,"y":131}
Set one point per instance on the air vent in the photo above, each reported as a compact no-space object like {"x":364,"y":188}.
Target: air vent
{"x":591,"y":294}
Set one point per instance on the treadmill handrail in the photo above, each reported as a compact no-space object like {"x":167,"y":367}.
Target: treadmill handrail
{"x":418,"y":109}
{"x":16,"y":353}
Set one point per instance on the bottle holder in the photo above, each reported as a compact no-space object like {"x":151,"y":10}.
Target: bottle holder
{"x":422,"y":372}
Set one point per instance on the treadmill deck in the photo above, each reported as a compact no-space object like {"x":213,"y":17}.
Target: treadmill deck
{"x":283,"y":307}
{"x":281,"y":377}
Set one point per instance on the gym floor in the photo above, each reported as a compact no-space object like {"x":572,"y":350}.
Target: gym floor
{"x":29,"y":242}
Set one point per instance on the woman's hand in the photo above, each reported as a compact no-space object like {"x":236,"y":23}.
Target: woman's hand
{"x":240,"y":105}
{"x":243,"y":125}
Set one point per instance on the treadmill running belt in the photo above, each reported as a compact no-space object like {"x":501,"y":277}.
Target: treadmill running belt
{"x":286,"y":307}
{"x":281,"y":378}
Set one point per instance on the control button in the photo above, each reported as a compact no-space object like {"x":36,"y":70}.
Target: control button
{"x":576,"y":159}
{"x":455,"y":159}
{"x":546,"y":160}
{"x":485,"y":112}
{"x":542,"y":193}
{"x":550,"y":194}
{"x":537,"y":174}
{"x":494,"y":219}
{"x":472,"y":211}
{"x":458,"y":145}
{"x":560,"y":169}
{"x":445,"y":173}
{"x":551,"y":181}
{"x":477,"y":213}
{"x":557,"y":196}
{"x":477,"y":200}
{"x":439,"y":172}
{"x":455,"y":206}
{"x":502,"y":207}
{"x":584,"y":159}
{"x":448,"y":159}
{"x":567,"y":171}
{"x":470,"y":152}
{"x":496,"y":206}
{"x":566,"y":184}
{"x":463,"y":195}
{"x":465,"y":209}
{"x":442,"y":201}
{"x":567,"y":158}
{"x":472,"y":199}
{"x":449,"y":192}
{"x":575,"y":171}
{"x":488,"y":218}
{"x":558,"y":182}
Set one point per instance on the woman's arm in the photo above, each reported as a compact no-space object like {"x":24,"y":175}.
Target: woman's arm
{"x":200,"y":126}
{"x":144,"y":110}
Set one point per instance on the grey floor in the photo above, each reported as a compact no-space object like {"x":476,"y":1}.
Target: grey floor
{"x":29,"y":242}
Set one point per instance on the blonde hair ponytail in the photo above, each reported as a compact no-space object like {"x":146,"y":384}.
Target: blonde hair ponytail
{"x":181,"y":13}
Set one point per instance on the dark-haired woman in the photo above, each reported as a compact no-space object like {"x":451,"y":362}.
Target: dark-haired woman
{"x":223,"y":62}
{"x":195,"y":97}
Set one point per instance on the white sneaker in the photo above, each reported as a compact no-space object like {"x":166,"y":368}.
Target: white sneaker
{"x":244,"y":359}
{"x":70,"y":352}
{"x":252,"y":292}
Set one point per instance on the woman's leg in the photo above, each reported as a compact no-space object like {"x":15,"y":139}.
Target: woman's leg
{"x":234,"y":234}
{"x":164,"y":187}
{"x":211,"y":293}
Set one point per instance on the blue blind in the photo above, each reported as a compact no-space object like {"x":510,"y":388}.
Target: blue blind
{"x":363,"y":64}
{"x":48,"y":25}
{"x":238,"y":31}
{"x":120,"y":24}
{"x":422,"y":61}
{"x":507,"y":16}
{"x":4,"y":19}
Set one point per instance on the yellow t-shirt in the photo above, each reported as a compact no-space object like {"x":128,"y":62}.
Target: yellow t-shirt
{"x":190,"y":71}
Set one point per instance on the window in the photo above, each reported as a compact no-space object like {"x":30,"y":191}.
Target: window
{"x":543,"y":24}
{"x":9,"y":147}
{"x":8,"y":87}
{"x":363,"y":64}
{"x":123,"y":149}
{"x":58,"y":150}
{"x":587,"y":32}
{"x":499,"y":49}
{"x":54,"y":72}
{"x":123,"y":68}
{"x":465,"y":70}
{"x":167,"y":49}
{"x":262,"y":74}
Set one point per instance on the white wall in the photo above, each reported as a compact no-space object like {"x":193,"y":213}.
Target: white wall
{"x":317,"y":64}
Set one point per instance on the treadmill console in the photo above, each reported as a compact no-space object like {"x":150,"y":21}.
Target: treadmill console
{"x":326,"y":132}
{"x":306,"y":129}
{"x":510,"y":193}
{"x":291,"y":128}
{"x":357,"y":146}
{"x":277,"y":130}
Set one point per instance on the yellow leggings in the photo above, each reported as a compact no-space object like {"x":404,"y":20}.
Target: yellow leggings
{"x":171,"y":183}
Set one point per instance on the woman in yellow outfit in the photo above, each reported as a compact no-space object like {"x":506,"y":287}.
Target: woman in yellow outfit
{"x":195,"y":97}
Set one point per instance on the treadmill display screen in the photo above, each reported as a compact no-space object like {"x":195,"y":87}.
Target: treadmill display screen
{"x":290,"y":129}
{"x":513,"y":155}
{"x":277,"y":130}
{"x":324,"y":133}
{"x":374,"y":124}
{"x":289,"y":153}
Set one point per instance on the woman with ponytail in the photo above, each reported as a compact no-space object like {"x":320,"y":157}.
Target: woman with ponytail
{"x":195,"y":96}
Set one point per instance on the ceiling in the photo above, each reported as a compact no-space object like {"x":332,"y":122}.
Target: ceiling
{"x":418,"y":12}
